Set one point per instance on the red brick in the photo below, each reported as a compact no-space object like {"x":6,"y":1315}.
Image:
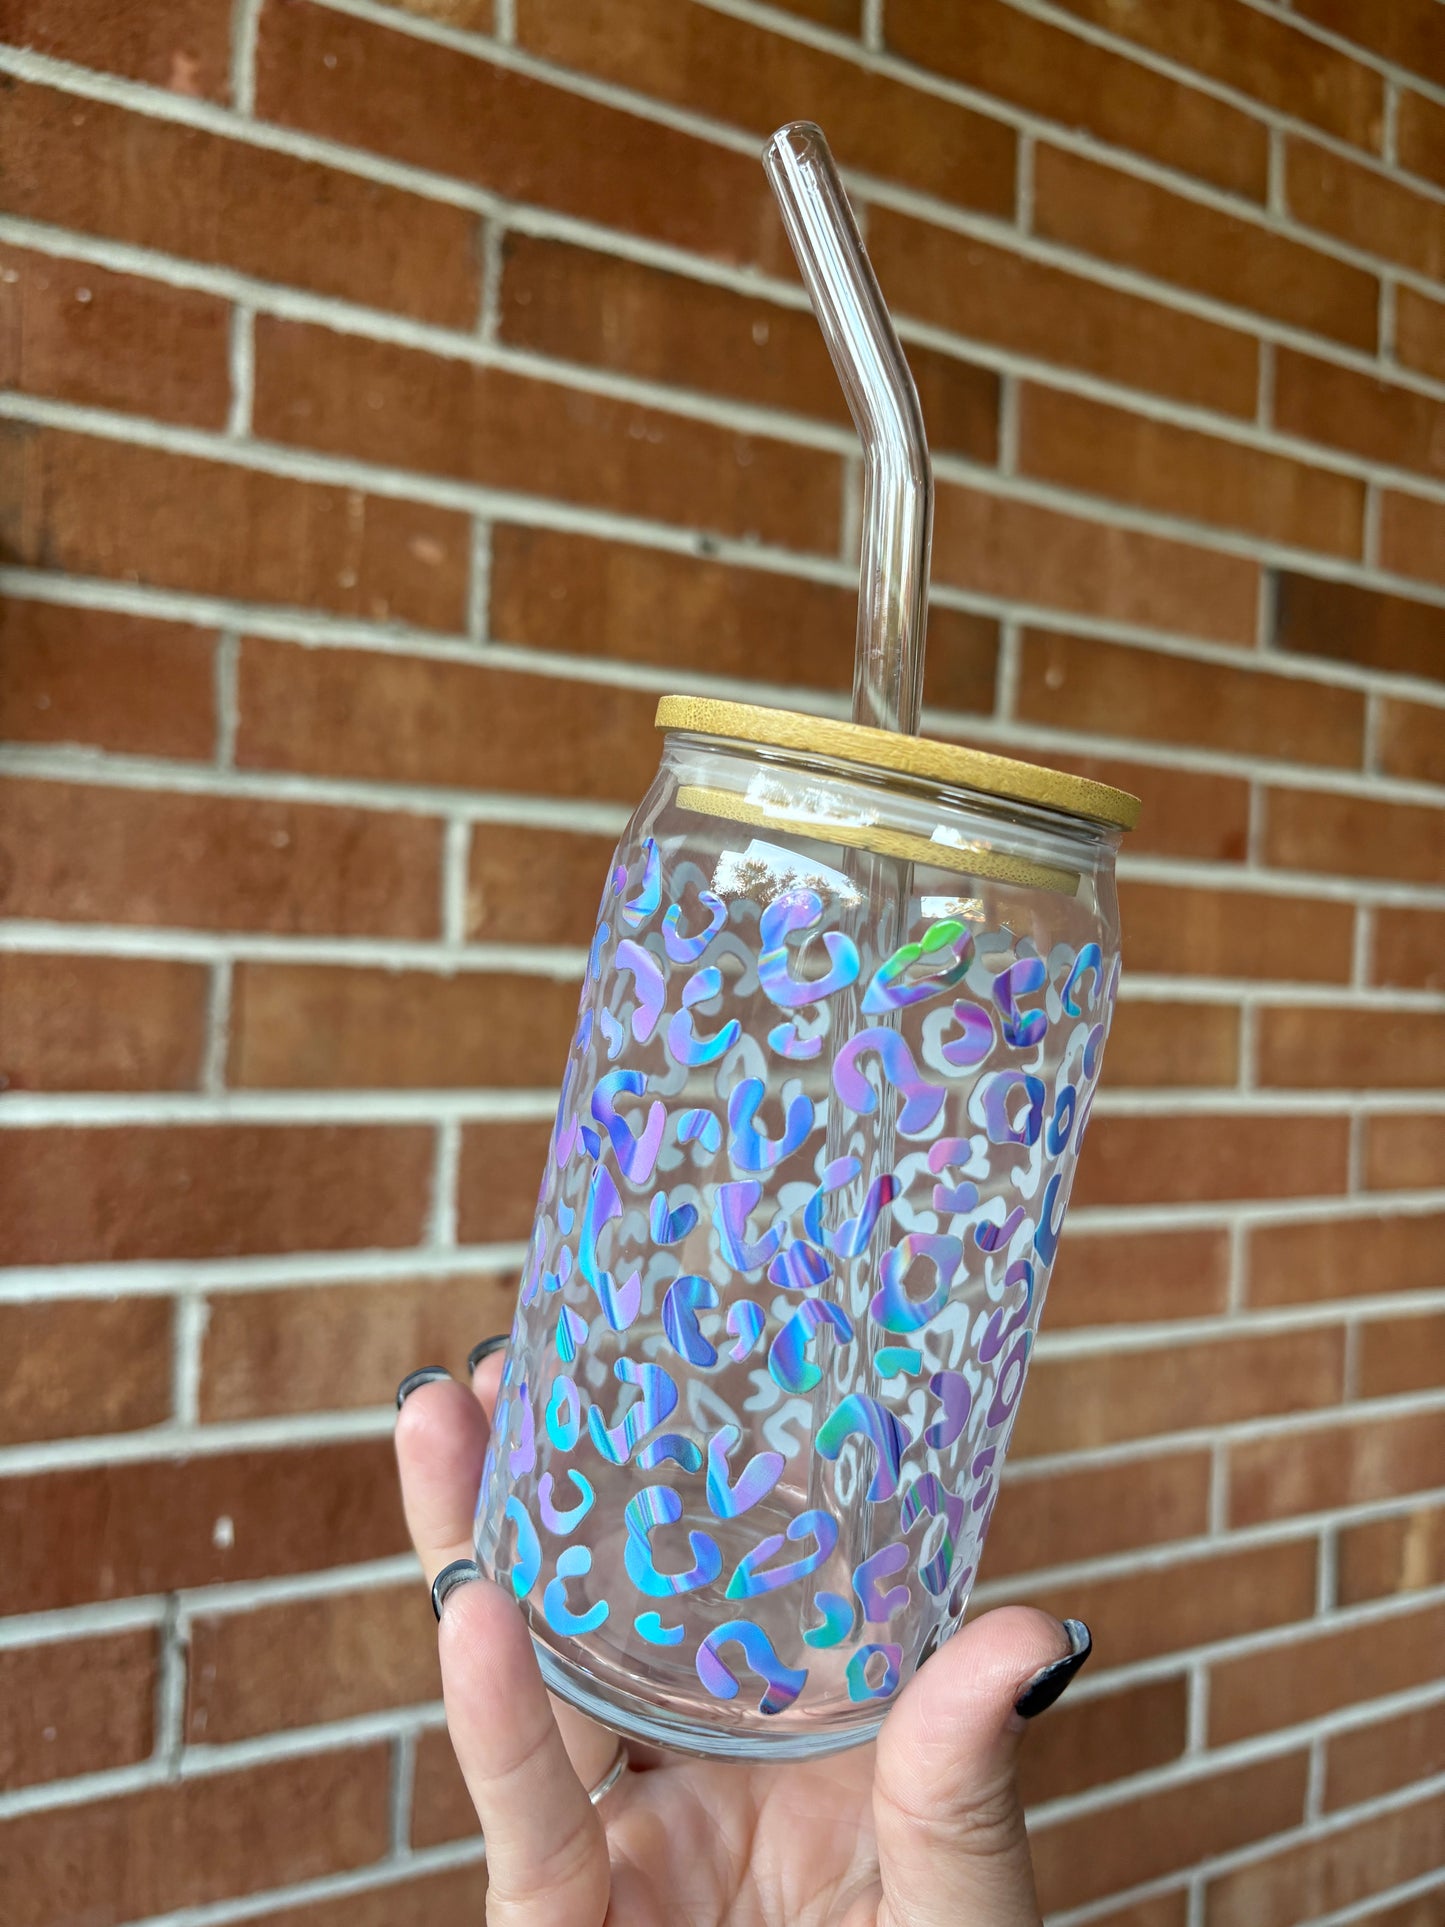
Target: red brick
{"x":196,"y":1840}
{"x":1020,"y":551}
{"x":1406,"y":33}
{"x":1366,"y":209}
{"x":1074,"y":682}
{"x":1193,"y":1602}
{"x":337,"y":1348}
{"x":1155,"y":1833}
{"x":1412,"y":533}
{"x":1347,"y":623}
{"x":1313,"y":1879}
{"x":1252,"y":53}
{"x":1354,"y":836}
{"x":90,"y":1193}
{"x":1420,"y":332}
{"x":1056,"y":1518}
{"x":1154,"y":1045}
{"x":114,"y":1531}
{"x":1343,"y":408}
{"x":1189,"y":813}
{"x":1317,"y":1048}
{"x":1411,"y":741}
{"x":85,"y":853}
{"x":441,"y":1808}
{"x":1420,"y":136}
{"x":338,"y":1027}
{"x":73,"y":330}
{"x":349,"y":395}
{"x":1087,"y":445}
{"x":985,"y":292}
{"x":1137,"y":1277}
{"x":106,"y":681}
{"x":456,"y":1897}
{"x":1194,"y":1159}
{"x":469,"y":16}
{"x":404,"y":719}
{"x":1051,"y":72}
{"x":1164,"y":1910}
{"x":1405,"y":1153}
{"x":83,"y":1365}
{"x":445,"y":110}
{"x":1235,"y":933}
{"x":184,"y":45}
{"x":1402,"y":1355}
{"x":1142,"y":226}
{"x":1368,"y":1761}
{"x":78,"y":1023}
{"x":1409,"y":949}
{"x":528,"y":885}
{"x":305,"y":1662}
{"x":76,"y":1706}
{"x":734,"y":71}
{"x":1319,"y":1671}
{"x":497,"y":1183}
{"x":1404,"y":1553}
{"x":1334,"y":1465}
{"x":1078,"y":1404}
{"x":75,"y":163}
{"x":626,"y":603}
{"x":1110,"y":1736}
{"x":88,"y":506}
{"x":1300,"y":1263}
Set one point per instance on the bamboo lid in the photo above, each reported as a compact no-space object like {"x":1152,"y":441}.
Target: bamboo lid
{"x":883,"y":749}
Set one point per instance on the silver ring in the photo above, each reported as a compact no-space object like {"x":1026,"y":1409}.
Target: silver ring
{"x":614,"y":1773}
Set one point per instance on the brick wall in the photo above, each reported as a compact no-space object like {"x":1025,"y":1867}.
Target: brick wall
{"x":400,"y":400}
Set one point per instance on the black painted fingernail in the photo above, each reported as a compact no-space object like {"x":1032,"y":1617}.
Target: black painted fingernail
{"x":485,"y":1350}
{"x":424,"y":1375}
{"x":1045,"y":1687}
{"x":461,"y":1572}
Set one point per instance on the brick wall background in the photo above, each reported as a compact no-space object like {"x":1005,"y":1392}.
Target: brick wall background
{"x":401,"y":400}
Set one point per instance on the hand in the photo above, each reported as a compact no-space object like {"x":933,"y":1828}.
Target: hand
{"x":921,"y":1829}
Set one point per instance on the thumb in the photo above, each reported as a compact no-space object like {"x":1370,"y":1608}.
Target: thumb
{"x":950,"y":1827}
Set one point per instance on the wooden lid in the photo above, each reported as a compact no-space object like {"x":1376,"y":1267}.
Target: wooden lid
{"x":883,"y":749}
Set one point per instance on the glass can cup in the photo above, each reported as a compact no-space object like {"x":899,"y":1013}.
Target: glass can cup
{"x":840,"y":1029}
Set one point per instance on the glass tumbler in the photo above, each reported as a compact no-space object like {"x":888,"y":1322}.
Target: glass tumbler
{"x":840,"y":1029}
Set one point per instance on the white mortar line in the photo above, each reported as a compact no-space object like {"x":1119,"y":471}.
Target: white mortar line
{"x":443,"y":1214}
{"x":192,"y":1316}
{"x":403,"y":1781}
{"x":242,"y":361}
{"x":227,"y":697}
{"x":218,"y":1029}
{"x":245,"y":22}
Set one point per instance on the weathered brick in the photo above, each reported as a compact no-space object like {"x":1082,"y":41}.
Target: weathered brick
{"x":83,"y":853}
{"x":1320,"y":1671}
{"x":1194,"y":1158}
{"x":114,"y":1531}
{"x":1411,"y":741}
{"x":1406,"y":33}
{"x":1420,"y":136}
{"x":1111,"y":1736}
{"x":404,"y":719}
{"x":1154,"y":1044}
{"x":735,"y":71}
{"x":1343,"y":408}
{"x":1364,"y":207}
{"x":1137,"y":1277}
{"x":1319,"y":1048}
{"x":1235,"y":933}
{"x":1420,"y":332}
{"x":501,"y":1166}
{"x":76,"y":1706}
{"x":1367,"y":1761}
{"x":336,"y":1348}
{"x":1350,"y":1463}
{"x":1408,"y":951}
{"x":1402,"y":1355}
{"x":88,"y":506}
{"x":988,"y":293}
{"x":1300,"y":1263}
{"x":88,"y":1193}
{"x":80,"y":333}
{"x":83,"y":1365}
{"x":446,"y":110}
{"x":1049,"y":71}
{"x":104,"y":680}
{"x":195,"y":1840}
{"x":350,"y":395}
{"x":1077,"y":1404}
{"x":627,"y":603}
{"x":184,"y":45}
{"x":1354,"y":836}
{"x":1402,"y":1553}
{"x":76,"y":163}
{"x":1088,"y":445}
{"x":1021,"y":551}
{"x":335,"y":1026}
{"x":1313,"y":1879}
{"x":1405,"y":1153}
{"x":1076,"y":682}
{"x":1412,"y":533}
{"x":304,"y":1662}
{"x":79,"y":1023}
{"x":527,"y":885}
{"x":1055,"y":1518}
{"x":1140,"y":225}
{"x":1368,"y":627}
